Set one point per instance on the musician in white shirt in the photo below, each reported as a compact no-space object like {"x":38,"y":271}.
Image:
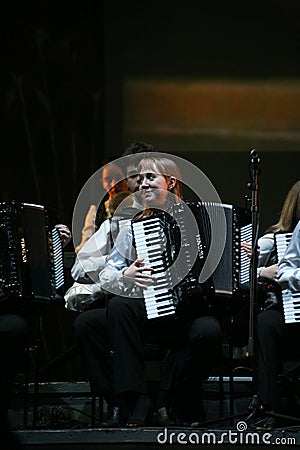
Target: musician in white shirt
{"x":91,"y":255}
{"x":273,"y":335}
{"x":126,"y":326}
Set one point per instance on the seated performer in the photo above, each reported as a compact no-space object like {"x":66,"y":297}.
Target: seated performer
{"x":95,"y":246}
{"x":273,"y":335}
{"x":112,"y":340}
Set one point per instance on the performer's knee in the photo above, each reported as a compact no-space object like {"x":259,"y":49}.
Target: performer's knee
{"x":205,"y":330}
{"x":82,"y":324}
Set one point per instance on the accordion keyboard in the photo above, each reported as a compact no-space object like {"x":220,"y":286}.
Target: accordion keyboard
{"x":58,"y":263}
{"x":282,"y":241}
{"x":290,"y":300}
{"x":151,"y":244}
{"x":291,"y":306}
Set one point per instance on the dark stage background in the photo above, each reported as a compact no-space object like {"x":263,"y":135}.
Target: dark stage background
{"x":79,"y":81}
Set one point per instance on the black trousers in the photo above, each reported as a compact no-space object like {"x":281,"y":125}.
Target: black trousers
{"x":112,"y":345}
{"x":13,"y":339}
{"x":276,"y":342}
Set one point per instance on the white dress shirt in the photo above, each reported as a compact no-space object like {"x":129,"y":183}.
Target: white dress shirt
{"x":122,"y":256}
{"x":92,"y":256}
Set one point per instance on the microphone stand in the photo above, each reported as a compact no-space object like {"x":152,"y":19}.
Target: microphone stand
{"x":255,"y":171}
{"x":253,"y":185}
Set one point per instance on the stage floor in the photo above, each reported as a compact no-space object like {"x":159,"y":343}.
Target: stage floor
{"x":63,"y":422}
{"x":152,"y":438}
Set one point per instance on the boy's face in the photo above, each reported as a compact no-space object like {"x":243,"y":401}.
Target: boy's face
{"x":132,"y":178}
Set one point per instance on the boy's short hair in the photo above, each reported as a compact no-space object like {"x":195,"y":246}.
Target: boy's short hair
{"x":139,"y":147}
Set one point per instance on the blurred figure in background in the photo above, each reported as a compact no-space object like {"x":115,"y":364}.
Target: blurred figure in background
{"x":111,"y":173}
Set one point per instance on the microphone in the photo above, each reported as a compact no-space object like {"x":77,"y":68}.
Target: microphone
{"x":255,"y":159}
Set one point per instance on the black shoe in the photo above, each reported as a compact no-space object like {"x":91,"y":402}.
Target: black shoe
{"x":113,"y":419}
{"x":267,"y":423}
{"x":140,"y":412}
{"x":162,"y":418}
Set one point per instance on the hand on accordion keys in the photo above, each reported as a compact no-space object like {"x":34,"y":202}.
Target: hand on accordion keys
{"x":64,"y":233}
{"x":247,"y":248}
{"x":139,"y":274}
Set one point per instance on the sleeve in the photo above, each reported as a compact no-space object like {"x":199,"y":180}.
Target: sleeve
{"x":92,"y":256}
{"x":122,"y":255}
{"x":265,"y":247}
{"x":79,"y":295}
{"x":289,"y":267}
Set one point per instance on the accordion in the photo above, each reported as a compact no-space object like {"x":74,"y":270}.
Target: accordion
{"x":31,"y":257}
{"x":164,"y":245}
{"x":177,"y":246}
